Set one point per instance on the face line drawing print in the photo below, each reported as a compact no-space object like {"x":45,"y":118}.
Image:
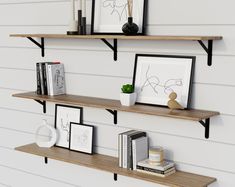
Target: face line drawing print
{"x":65,"y":127}
{"x":120,"y":10}
{"x":154,"y":83}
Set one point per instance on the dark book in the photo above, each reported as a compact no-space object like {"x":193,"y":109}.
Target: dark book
{"x":44,"y":78}
{"x":133,"y":136}
{"x":39,"y":90}
{"x":155,"y":170}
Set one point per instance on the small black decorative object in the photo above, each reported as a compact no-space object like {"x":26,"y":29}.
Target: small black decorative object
{"x":130,"y":28}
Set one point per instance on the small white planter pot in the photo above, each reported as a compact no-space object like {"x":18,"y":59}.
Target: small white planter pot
{"x":128,"y":99}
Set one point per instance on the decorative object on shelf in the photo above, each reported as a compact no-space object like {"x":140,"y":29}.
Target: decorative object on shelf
{"x":80,"y":29}
{"x":130,"y":28}
{"x":50,"y":136}
{"x":63,"y":116}
{"x":81,"y":137}
{"x":156,"y":76}
{"x":128,"y":96}
{"x":164,"y":169}
{"x":73,"y":24}
{"x":172,"y":103}
{"x":156,"y":155}
{"x":109,"y":16}
{"x":83,"y":17}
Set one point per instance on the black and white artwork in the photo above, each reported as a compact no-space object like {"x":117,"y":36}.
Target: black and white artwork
{"x":108,"y":16}
{"x":81,"y":138}
{"x":64,"y":115}
{"x":157,"y":76}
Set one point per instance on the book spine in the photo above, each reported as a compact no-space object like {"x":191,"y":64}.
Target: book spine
{"x":156,"y":174}
{"x":50,"y":79}
{"x":48,"y":82}
{"x":124,"y":140}
{"x":41,"y":78}
{"x":39,"y":91}
{"x":44,"y":78}
{"x":155,"y":170}
{"x":134,"y":155}
{"x":120,"y":150}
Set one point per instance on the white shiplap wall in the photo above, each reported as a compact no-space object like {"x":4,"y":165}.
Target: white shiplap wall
{"x":90,"y":71}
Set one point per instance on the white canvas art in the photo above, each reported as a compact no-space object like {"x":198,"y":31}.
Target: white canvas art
{"x":65,"y":115}
{"x":81,"y":138}
{"x":157,"y":77}
{"x":111,"y":15}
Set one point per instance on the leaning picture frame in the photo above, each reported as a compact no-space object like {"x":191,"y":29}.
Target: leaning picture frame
{"x":157,"y":76}
{"x":108,"y":16}
{"x":64,"y":115}
{"x":81,"y":138}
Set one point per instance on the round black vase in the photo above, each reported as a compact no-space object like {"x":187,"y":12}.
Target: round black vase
{"x":130,"y":28}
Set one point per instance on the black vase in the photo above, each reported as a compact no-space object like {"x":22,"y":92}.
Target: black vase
{"x":130,"y":28}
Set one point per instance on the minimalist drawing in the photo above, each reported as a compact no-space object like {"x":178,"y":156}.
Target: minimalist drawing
{"x":154,"y":82}
{"x":65,"y":126}
{"x":116,"y":8}
{"x":64,"y":116}
{"x":157,"y":76}
{"x":81,"y":137}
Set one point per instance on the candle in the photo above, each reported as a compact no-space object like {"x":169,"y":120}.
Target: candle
{"x":83,"y":8}
{"x":79,"y":4}
{"x":72,"y":10}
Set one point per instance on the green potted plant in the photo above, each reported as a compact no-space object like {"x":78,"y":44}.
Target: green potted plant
{"x":128,"y":96}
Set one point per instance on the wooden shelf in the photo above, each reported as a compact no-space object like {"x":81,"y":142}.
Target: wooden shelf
{"x":121,"y":37}
{"x":194,"y":115}
{"x":110,"y":164}
{"x":113,"y":46}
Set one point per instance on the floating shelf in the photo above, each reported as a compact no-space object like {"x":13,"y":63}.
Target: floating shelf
{"x":113,"y":47}
{"x":114,"y":105}
{"x":110,"y":164}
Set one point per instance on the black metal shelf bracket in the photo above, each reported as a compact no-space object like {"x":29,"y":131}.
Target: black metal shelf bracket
{"x":113,"y":47}
{"x":115,"y":176}
{"x":206,"y":124}
{"x":208,"y":50}
{"x":43,"y":103}
{"x":114,"y":113}
{"x":40,"y":45}
{"x":46,"y":160}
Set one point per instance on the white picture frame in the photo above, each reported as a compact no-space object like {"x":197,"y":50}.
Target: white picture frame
{"x":156,"y":76}
{"x":108,"y":16}
{"x":64,"y":115}
{"x":81,"y":138}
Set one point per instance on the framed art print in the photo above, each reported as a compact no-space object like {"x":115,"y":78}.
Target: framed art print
{"x":157,"y":76}
{"x":108,"y":16}
{"x":64,"y":115}
{"x":81,"y":138}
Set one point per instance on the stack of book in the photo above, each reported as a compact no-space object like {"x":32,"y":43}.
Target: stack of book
{"x":164,"y":169}
{"x":132,"y":147}
{"x":50,"y":78}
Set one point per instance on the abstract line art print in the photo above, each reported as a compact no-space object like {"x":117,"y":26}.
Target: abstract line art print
{"x":108,"y":16}
{"x":157,"y":76}
{"x":116,"y":8}
{"x":63,"y":117}
{"x":81,"y":138}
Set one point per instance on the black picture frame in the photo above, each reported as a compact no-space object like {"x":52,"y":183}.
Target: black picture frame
{"x":143,"y":28}
{"x":79,"y":119}
{"x":189,"y":94}
{"x":91,"y":141}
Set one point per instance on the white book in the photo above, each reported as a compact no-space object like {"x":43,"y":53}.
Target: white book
{"x":56,"y":79}
{"x":139,"y":150}
{"x":163,"y":166}
{"x":125,"y":148}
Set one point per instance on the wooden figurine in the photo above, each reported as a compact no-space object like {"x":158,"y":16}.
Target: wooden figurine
{"x":172,"y":103}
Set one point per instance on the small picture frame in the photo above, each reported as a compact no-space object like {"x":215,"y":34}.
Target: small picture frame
{"x":157,"y":76}
{"x":64,"y":115}
{"x":108,"y":16}
{"x":81,"y":138}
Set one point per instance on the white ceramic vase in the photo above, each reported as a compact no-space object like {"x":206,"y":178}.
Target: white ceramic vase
{"x":128,"y":99}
